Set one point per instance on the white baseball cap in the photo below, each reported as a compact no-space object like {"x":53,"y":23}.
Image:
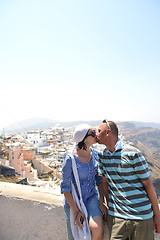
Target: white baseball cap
{"x":80,"y":132}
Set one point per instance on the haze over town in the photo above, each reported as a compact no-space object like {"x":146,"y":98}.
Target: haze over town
{"x":79,"y":60}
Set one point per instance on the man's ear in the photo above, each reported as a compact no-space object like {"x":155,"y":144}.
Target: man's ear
{"x":108,"y":131}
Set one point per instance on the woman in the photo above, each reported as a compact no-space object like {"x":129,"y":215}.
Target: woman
{"x":87,"y":166}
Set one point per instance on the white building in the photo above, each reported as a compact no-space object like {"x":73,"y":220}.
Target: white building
{"x":37,"y":138}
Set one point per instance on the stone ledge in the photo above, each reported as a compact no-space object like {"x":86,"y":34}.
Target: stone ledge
{"x":40,"y":194}
{"x":23,"y":219}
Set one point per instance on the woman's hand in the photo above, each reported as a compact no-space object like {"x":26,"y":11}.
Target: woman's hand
{"x":79,"y":219}
{"x":77,"y":213}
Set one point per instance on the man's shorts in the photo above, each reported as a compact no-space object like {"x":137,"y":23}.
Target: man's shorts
{"x":124,"y":229}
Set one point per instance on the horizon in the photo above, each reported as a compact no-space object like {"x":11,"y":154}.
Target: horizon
{"x":79,"y":60}
{"x":26,"y":124}
{"x":79,"y":120}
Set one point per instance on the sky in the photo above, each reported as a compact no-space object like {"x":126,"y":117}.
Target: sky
{"x":73,"y":60}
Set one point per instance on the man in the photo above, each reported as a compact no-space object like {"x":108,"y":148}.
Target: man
{"x":133,"y":207}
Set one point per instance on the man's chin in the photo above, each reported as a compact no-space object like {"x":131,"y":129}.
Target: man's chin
{"x":98,"y":141}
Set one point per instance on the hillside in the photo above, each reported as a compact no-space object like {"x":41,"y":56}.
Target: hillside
{"x":148,"y":141}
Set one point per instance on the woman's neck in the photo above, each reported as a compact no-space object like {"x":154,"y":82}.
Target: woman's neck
{"x":84,"y":156}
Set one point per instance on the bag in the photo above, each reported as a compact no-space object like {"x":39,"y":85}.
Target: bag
{"x":79,"y":233}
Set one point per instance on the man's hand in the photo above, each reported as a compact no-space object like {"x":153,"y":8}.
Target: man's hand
{"x":156,"y":223}
{"x":104,"y":209}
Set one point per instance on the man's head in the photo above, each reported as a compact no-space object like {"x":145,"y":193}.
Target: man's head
{"x":107,"y":133}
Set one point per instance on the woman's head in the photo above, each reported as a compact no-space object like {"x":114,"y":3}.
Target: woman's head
{"x":84,"y":136}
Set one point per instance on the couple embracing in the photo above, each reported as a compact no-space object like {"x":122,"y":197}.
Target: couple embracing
{"x":114,"y":184}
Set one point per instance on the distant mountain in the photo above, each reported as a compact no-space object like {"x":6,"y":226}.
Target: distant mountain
{"x":132,"y":124}
{"x":146,"y":124}
{"x":45,"y":123}
{"x":30,"y":124}
{"x":41,"y":123}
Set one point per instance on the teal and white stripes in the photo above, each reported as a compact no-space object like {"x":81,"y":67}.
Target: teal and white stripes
{"x":125,"y":169}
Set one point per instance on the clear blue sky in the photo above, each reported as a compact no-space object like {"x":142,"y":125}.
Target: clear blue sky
{"x":80,"y":60}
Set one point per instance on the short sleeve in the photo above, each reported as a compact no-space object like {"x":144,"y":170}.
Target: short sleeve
{"x":141,"y":166}
{"x":100,"y":165}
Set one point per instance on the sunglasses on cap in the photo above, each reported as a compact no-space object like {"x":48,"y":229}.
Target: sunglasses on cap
{"x":106,"y":121}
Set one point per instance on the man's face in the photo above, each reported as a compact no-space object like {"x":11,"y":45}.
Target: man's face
{"x":101,"y":133}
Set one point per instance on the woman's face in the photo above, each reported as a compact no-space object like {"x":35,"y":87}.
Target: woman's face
{"x":91,"y":136}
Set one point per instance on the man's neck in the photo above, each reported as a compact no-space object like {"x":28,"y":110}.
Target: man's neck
{"x":111,"y":147}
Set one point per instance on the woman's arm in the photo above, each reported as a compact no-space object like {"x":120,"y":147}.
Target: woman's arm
{"x":76,"y":211}
{"x":66,"y":180}
{"x":68,"y":197}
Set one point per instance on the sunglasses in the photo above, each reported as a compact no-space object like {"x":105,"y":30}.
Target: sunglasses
{"x":106,"y":121}
{"x":92,"y":133}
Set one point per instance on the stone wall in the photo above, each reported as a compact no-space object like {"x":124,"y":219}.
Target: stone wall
{"x":32,"y":213}
{"x":28,"y":220}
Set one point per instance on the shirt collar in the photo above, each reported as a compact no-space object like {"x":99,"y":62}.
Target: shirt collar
{"x":118,"y":145}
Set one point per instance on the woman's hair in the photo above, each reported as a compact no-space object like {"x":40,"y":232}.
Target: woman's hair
{"x":82,"y":145}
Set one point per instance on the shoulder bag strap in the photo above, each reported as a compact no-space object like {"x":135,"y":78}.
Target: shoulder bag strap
{"x":75,"y":172}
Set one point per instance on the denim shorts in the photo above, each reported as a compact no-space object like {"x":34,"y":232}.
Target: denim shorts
{"x":92,"y":206}
{"x":93,"y":210}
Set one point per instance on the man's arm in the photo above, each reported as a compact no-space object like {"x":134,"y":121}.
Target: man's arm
{"x":102,"y":204}
{"x":105,"y":188}
{"x":153,"y":199}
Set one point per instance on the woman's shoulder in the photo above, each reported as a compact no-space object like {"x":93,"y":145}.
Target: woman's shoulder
{"x":69,"y":155}
{"x":94,"y":153}
{"x":67,"y":159}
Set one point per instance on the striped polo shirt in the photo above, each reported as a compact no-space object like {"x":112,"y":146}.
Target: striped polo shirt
{"x":125,"y":169}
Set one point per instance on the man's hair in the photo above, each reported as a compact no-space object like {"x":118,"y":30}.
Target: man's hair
{"x":111,"y":125}
{"x":114,"y":128}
